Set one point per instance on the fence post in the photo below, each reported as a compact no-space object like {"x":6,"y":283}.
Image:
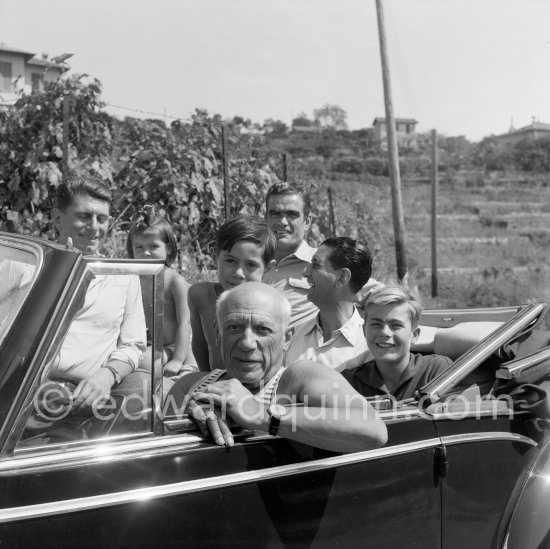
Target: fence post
{"x":434,"y":213}
{"x":65,"y":161}
{"x":285,"y":167}
{"x":225,"y":173}
{"x":331,"y":221}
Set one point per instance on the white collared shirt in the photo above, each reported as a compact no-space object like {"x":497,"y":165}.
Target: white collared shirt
{"x":346,"y":348}
{"x":109,"y":326}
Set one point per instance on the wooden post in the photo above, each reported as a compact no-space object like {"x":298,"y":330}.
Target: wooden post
{"x":285,"y":167}
{"x":434,"y":213}
{"x":225,"y":173}
{"x":395,"y":179}
{"x":331,"y":221}
{"x":65,"y":160}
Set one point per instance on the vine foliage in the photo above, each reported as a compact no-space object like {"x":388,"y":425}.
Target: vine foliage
{"x":177,"y":168}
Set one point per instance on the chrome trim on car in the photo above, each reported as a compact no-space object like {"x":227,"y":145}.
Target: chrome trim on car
{"x":487,"y":437}
{"x":536,"y":361}
{"x":109,"y":266}
{"x":178,"y":488}
{"x":445,"y":318}
{"x":64,"y":456}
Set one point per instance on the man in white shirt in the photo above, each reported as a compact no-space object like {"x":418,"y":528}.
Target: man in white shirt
{"x":334,"y":337}
{"x":289,"y":216}
{"x":106,"y":340}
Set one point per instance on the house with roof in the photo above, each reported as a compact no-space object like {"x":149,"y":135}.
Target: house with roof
{"x":21,"y":70}
{"x":403,"y":127}
{"x":535,"y":130}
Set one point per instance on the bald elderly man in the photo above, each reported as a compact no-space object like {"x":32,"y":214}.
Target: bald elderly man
{"x":303,"y":402}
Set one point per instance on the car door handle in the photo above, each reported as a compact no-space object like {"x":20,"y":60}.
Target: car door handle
{"x":441,"y":463}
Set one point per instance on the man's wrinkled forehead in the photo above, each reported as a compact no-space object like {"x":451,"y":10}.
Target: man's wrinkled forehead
{"x":235,"y":309}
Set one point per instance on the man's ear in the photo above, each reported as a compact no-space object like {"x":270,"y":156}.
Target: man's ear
{"x":217,"y":334}
{"x":415,"y":334}
{"x":344,"y":277}
{"x":307,"y":222}
{"x":270,"y":266}
{"x":288,"y":337}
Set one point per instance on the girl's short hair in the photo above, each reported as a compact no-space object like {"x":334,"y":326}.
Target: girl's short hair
{"x":145,"y":222}
{"x":395,"y":295}
{"x":248,"y":228}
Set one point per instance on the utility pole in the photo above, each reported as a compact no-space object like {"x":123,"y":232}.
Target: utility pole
{"x":285,"y":166}
{"x":434,"y":212}
{"x":395,"y":178}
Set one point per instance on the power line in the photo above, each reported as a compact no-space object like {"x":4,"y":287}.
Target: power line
{"x":161,"y":115}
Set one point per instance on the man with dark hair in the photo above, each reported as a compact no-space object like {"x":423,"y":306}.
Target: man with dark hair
{"x":288,"y":214}
{"x":340,"y":268}
{"x":82,"y":213}
{"x":106,"y":340}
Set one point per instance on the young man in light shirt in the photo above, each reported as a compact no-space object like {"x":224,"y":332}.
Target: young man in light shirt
{"x":334,"y":337}
{"x":106,"y":340}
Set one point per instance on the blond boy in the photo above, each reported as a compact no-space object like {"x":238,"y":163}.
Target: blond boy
{"x":391,"y":326}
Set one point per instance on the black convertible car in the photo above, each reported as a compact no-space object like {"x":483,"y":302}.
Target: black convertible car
{"x":467,"y":463}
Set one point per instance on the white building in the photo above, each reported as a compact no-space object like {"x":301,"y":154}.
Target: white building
{"x":23,"y":71}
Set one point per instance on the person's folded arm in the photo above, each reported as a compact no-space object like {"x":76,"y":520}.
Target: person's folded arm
{"x":132,"y":339}
{"x":334,"y":416}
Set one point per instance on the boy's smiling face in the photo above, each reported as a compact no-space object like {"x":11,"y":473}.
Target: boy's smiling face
{"x":242,"y":263}
{"x":389,"y":333}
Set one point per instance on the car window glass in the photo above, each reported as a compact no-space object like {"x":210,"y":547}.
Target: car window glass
{"x":106,"y":323}
{"x":17,"y":270}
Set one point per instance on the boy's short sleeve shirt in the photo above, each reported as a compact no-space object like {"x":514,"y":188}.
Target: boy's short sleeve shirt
{"x":287,"y":277}
{"x":366,"y":379}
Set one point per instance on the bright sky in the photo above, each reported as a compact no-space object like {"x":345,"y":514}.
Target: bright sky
{"x":462,"y":67}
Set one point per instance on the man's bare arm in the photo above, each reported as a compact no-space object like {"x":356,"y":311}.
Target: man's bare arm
{"x":199,"y":345}
{"x":334,"y":416}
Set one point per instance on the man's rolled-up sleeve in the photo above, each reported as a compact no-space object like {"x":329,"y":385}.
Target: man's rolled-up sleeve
{"x":131,"y":343}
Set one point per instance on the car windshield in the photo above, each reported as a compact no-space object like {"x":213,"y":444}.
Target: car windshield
{"x":17,"y":272}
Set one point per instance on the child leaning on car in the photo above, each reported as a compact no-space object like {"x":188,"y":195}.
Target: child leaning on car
{"x":391,"y":326}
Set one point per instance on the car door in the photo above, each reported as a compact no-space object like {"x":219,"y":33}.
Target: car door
{"x":485,"y":451}
{"x":172,"y":486}
{"x":263,"y":492}
{"x":486,"y":441}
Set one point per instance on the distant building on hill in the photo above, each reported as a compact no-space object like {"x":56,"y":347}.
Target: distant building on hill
{"x":22,"y":70}
{"x":536,"y":130}
{"x":403,"y":126}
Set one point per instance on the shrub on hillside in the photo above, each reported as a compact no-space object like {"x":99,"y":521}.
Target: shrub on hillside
{"x":376,"y":166}
{"x":348,"y":164}
{"x":533,"y":155}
